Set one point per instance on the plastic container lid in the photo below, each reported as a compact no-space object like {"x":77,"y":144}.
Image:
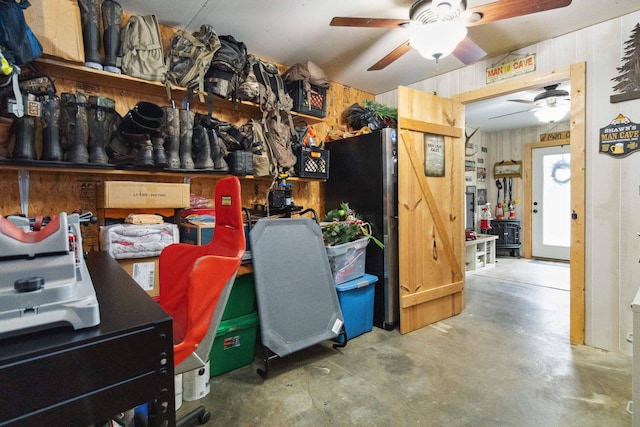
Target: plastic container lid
{"x":237,"y":323}
{"x":341,"y":249}
{"x":360,"y":282}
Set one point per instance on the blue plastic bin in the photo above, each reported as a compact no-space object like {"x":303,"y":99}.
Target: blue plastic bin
{"x":356,"y":302}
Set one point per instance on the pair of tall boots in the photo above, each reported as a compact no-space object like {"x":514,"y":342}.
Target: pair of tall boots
{"x":87,"y":127}
{"x":25,"y":131}
{"x":90,"y":11}
{"x":191,"y":145}
{"x":138,"y":141}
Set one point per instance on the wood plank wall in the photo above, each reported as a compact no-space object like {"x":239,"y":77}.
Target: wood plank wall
{"x":54,"y":192}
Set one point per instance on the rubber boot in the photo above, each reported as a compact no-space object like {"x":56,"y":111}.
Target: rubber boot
{"x":75,"y":127}
{"x":100,"y":117}
{"x":186,"y":136}
{"x":141,"y":149}
{"x":219,"y":163}
{"x":90,"y":18}
{"x":5,"y":132}
{"x":111,"y":23}
{"x":201,"y":148}
{"x":172,"y":137}
{"x":159,"y":155}
{"x":50,"y":120}
{"x":25,"y":146}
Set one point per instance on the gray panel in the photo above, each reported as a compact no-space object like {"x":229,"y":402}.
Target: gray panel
{"x":297,"y":301}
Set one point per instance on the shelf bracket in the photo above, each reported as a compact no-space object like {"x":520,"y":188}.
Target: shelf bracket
{"x":23,"y":186}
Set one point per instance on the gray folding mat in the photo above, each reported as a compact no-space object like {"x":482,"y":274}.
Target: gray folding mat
{"x":297,"y":300}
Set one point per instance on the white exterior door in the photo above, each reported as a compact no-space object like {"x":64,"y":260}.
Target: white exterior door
{"x":551,"y":202}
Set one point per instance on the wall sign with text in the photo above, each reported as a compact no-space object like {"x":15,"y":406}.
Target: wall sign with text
{"x":620,"y":138}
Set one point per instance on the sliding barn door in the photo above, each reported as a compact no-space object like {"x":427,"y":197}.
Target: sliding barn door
{"x":430,"y":208}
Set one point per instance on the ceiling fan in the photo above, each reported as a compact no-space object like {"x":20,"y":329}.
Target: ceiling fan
{"x":550,"y":105}
{"x":439,"y":27}
{"x":550,"y":97}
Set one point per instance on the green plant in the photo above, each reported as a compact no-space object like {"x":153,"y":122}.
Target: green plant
{"x":343,"y":225}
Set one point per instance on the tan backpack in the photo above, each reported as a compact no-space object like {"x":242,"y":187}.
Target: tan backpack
{"x":141,"y":53}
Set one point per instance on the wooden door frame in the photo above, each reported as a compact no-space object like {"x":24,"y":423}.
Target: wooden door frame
{"x":576,"y":73}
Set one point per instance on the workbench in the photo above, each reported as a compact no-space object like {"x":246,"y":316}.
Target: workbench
{"x":62,"y":377}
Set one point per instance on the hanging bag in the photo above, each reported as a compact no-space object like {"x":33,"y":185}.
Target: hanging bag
{"x":19,"y":46}
{"x":141,"y":52}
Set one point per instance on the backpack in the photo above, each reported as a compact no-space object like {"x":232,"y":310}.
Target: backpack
{"x":141,"y":53}
{"x":262,"y":84}
{"x":189,"y":55}
{"x":279,"y":139}
{"x":263,"y":162}
{"x":18,"y":46}
{"x":227,"y":64}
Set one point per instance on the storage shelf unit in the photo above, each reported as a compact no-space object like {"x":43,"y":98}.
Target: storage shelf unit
{"x":480,"y":253}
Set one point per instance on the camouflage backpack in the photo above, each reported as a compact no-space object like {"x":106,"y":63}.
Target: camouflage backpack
{"x":264,"y":163}
{"x":189,"y":56}
{"x":227,"y":64}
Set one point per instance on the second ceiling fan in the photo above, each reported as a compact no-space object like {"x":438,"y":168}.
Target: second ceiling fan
{"x":439,"y":27}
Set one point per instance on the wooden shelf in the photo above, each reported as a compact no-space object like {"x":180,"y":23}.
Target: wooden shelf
{"x":87,"y":169}
{"x":96,"y":79}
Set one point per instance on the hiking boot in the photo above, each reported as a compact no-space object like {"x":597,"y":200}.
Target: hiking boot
{"x":25,"y":145}
{"x":75,"y":127}
{"x":50,"y":120}
{"x":201,"y":148}
{"x":5,"y":132}
{"x":112,"y":23}
{"x":186,"y":136}
{"x":171,"y":133}
{"x":219,"y":163}
{"x":159,"y":155}
{"x":100,"y":116}
{"x":90,"y":18}
{"x":140,"y":150}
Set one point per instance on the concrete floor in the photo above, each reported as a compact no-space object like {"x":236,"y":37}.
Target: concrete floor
{"x":504,"y":361}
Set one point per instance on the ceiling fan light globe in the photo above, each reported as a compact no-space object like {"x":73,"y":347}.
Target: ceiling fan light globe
{"x":438,"y":39}
{"x":552,"y":114}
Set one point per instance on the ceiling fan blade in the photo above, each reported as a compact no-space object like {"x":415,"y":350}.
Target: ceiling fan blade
{"x":368,"y":22}
{"x":505,"y":9}
{"x":511,"y":114}
{"x":391,"y":56}
{"x":468,"y":52}
{"x":523,"y":101}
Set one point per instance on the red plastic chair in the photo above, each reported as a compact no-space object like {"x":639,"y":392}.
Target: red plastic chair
{"x":195,"y":281}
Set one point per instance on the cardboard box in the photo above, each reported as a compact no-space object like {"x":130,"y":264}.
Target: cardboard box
{"x":145,"y":271}
{"x":196,"y":234}
{"x":58,"y":27}
{"x":132,"y":195}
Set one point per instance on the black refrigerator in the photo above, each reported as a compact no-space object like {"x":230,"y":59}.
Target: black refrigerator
{"x":363,"y":172}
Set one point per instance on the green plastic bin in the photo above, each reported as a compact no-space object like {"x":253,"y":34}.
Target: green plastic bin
{"x":242,"y":297}
{"x":234,"y":345}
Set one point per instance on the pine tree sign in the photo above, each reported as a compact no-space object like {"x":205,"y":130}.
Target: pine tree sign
{"x":628,"y":79}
